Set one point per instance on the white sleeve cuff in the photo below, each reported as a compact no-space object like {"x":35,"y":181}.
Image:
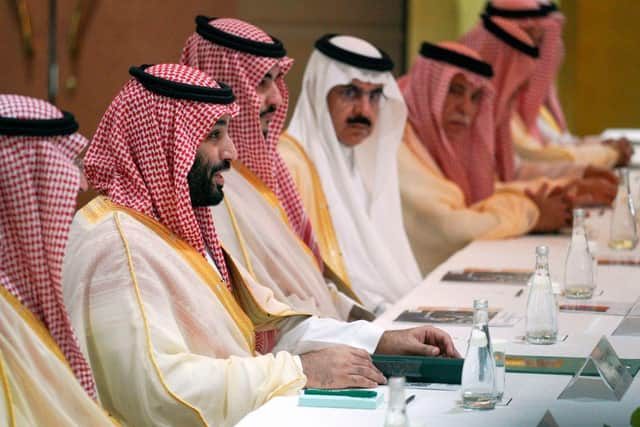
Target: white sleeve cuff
{"x":317,"y":333}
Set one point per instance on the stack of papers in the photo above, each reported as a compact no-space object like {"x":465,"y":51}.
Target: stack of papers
{"x":596,"y":307}
{"x":456,"y":316}
{"x":496,"y":277}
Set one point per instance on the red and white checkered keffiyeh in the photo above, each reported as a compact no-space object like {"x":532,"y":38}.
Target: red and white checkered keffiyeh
{"x":555,"y":49}
{"x":145,"y":147}
{"x":425,"y":89}
{"x":243,"y":72}
{"x":541,"y":88}
{"x":38,"y":188}
{"x":511,"y":70}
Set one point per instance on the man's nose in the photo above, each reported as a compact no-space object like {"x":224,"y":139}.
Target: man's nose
{"x":465,"y":105}
{"x":363,"y":106}
{"x":274,"y":97}
{"x":228,"y":149}
{"x":84,"y":184}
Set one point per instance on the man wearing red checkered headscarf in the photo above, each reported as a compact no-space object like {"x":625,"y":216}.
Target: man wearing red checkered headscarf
{"x":171,"y":344}
{"x":446,"y":160}
{"x":261,"y":191}
{"x":38,"y":187}
{"x":513,"y":55}
{"x":254,"y":65}
{"x":539,"y":128}
{"x":425,"y":90}
{"x":140,"y":237}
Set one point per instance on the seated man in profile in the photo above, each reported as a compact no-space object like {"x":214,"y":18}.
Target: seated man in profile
{"x":538,"y":126}
{"x":341,"y":147}
{"x":44,"y":378}
{"x":262,"y":221}
{"x":178,"y":333}
{"x":513,"y":56}
{"x":447,"y":174}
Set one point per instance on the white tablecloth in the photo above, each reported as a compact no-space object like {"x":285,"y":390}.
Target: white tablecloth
{"x":532,"y":394}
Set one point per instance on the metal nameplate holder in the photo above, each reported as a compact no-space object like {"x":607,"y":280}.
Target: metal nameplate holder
{"x":548,"y":420}
{"x":630,"y":324}
{"x":611,"y":383}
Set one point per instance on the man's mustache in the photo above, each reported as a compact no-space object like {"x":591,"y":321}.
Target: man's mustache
{"x":224,"y":165}
{"x":461,"y":118}
{"x":269,"y":109}
{"x":359,"y":120}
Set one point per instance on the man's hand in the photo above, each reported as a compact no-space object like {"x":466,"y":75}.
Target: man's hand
{"x":596,"y":172}
{"x":624,"y":148}
{"x":590,"y":192}
{"x":555,"y":211}
{"x":340,"y":367}
{"x":420,"y":341}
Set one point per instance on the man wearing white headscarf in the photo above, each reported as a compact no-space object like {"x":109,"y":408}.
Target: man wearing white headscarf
{"x":348,"y":123}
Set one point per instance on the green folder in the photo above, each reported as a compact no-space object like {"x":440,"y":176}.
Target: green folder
{"x":558,"y":365}
{"x":419,"y":369}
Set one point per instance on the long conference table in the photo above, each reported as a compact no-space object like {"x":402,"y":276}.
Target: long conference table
{"x":531,"y":394}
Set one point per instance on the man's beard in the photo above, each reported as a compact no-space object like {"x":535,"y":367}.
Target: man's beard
{"x":202,"y":189}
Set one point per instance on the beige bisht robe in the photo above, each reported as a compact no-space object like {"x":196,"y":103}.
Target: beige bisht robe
{"x":529,"y":147}
{"x":437,"y":219}
{"x":37,"y":386}
{"x":307,"y":181}
{"x":168,"y":343}
{"x":253,"y":227}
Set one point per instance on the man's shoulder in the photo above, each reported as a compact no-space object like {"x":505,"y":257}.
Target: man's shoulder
{"x":295,"y":157}
{"x":290,"y":148}
{"x":100,"y":223}
{"x":287,"y":140}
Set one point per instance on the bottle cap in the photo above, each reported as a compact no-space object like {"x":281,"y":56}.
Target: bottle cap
{"x":578,"y":213}
{"x":542,"y":250}
{"x":396,"y":382}
{"x":480,"y":303}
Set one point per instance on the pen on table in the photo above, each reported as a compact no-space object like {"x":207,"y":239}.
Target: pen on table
{"x":519,"y":292}
{"x":346,"y":393}
{"x":409,"y":399}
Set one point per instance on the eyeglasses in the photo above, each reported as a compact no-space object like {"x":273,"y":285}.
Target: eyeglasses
{"x":353,"y":94}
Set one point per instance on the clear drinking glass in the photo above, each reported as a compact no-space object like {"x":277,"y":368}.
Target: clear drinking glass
{"x":578,"y":268}
{"x":593,"y":250}
{"x":500,"y":357}
{"x":397,"y":408}
{"x":624,"y":233}
{"x":478,"y":370}
{"x":542,"y":310}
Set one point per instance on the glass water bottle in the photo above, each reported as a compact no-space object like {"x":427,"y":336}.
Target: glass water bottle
{"x":624,"y":234}
{"x":397,"y":408}
{"x":542,"y":311}
{"x":579,"y":278}
{"x":479,"y":369}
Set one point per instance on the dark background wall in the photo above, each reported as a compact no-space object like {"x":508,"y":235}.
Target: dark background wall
{"x":116,"y":34}
{"x":598,"y":84}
